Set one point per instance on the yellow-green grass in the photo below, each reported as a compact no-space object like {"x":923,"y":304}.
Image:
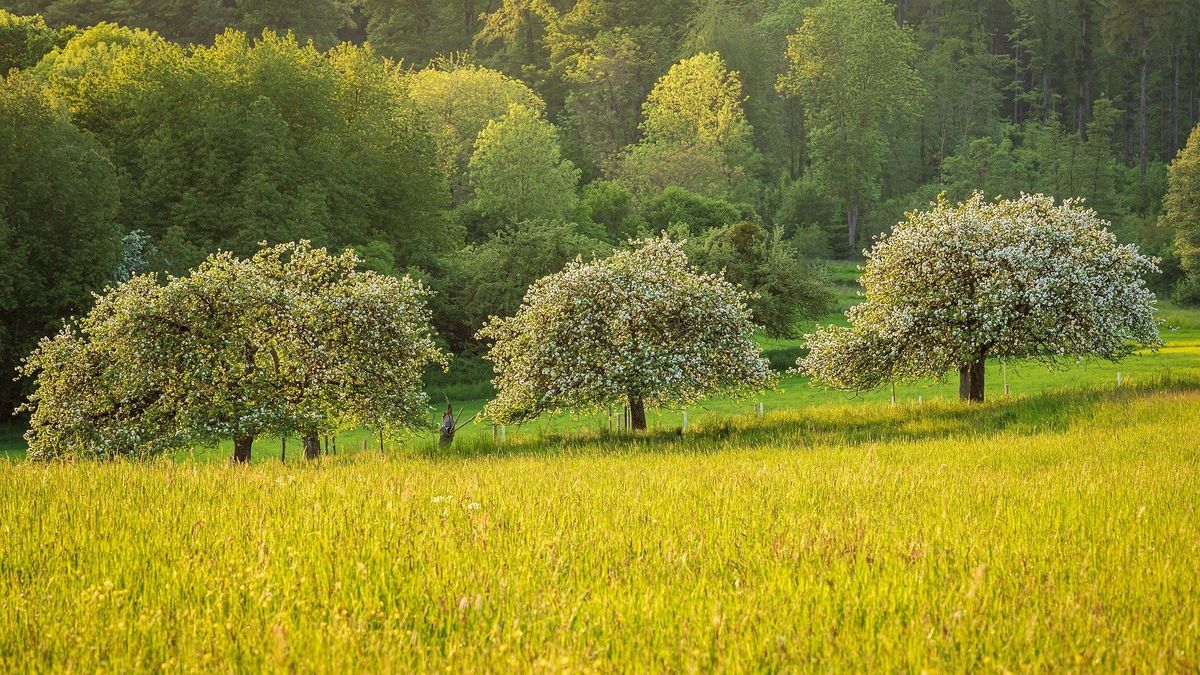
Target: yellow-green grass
{"x":1052,"y":532}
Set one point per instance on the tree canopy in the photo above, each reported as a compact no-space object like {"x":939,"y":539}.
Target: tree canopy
{"x":290,"y":340}
{"x":640,"y":327}
{"x":852,"y":67}
{"x":517,"y":171}
{"x":59,"y":232}
{"x":1026,"y":278}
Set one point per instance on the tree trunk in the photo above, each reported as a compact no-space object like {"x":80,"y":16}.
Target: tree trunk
{"x":1085,"y":69}
{"x":1174,"y":106}
{"x":852,"y":223}
{"x":241,"y":449}
{"x":637,"y":413}
{"x":1142,"y":113}
{"x":970,"y":381}
{"x":447,"y":431}
{"x":312,"y":446}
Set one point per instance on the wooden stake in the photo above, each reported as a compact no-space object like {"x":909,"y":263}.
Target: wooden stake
{"x":684,"y":420}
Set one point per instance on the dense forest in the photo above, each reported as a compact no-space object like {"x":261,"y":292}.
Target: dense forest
{"x":482,"y":144}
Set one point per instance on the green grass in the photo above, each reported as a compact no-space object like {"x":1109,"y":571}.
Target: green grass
{"x":1052,"y":529}
{"x":1046,"y":532}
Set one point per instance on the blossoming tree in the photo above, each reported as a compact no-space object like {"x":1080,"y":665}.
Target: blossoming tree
{"x":1026,"y":278}
{"x":640,"y":327}
{"x":292,"y":339}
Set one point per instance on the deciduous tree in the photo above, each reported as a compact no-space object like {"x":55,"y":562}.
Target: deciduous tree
{"x":59,"y":238}
{"x":1019,"y":279}
{"x":1181,"y":212}
{"x":852,"y":67}
{"x":290,"y":340}
{"x":517,"y":170}
{"x":459,"y":99}
{"x":640,"y":328}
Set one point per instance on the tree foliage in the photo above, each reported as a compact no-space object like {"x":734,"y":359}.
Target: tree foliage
{"x":517,"y":170}
{"x":1022,"y":279}
{"x":1181,"y":212}
{"x":852,"y":67}
{"x":459,"y":99}
{"x":490,"y":278}
{"x":640,"y":327}
{"x":245,"y":141}
{"x":24,"y":40}
{"x":783,"y":287}
{"x":59,"y":237}
{"x":290,"y":340}
{"x":695,"y":134}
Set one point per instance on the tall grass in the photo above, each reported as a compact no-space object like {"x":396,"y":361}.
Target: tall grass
{"x":1050,"y":533}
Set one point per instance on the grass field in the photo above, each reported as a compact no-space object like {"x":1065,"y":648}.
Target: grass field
{"x":1053,"y":529}
{"x":1054,"y":532}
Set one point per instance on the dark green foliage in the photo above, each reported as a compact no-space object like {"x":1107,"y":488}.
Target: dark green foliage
{"x":786,"y":287}
{"x":808,"y":213}
{"x":676,"y":206}
{"x":59,"y":240}
{"x":490,"y":278}
{"x":611,"y":206}
{"x":197,"y":21}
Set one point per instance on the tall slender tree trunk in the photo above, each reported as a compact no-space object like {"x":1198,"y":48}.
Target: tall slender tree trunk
{"x":241,"y":449}
{"x":1142,"y":112}
{"x":970,"y":381}
{"x":1047,"y":108}
{"x":1018,"y":77}
{"x":312,"y":446}
{"x":1175,"y":105}
{"x":852,"y":209}
{"x":1085,"y":68}
{"x":637,"y":413}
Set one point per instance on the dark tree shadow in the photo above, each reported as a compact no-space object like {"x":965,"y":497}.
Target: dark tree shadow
{"x":840,"y":425}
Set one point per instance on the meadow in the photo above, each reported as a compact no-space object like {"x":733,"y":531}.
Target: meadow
{"x":1049,"y":532}
{"x":1054,"y":528}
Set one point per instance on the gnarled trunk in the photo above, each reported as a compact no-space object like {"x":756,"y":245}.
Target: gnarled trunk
{"x":970,"y":380}
{"x":447,"y":428}
{"x":637,"y":413}
{"x":312,"y":446}
{"x":241,"y":449}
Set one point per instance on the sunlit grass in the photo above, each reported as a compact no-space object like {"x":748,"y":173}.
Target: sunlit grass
{"x":1055,"y":532}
